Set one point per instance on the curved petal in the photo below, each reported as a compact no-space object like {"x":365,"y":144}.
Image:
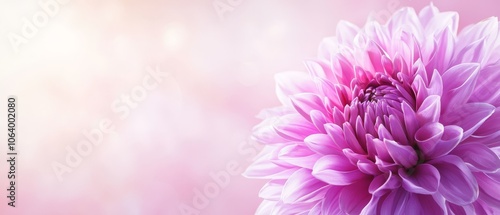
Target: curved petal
{"x":423,"y":179}
{"x":337,"y":134}
{"x":400,"y":201}
{"x":401,"y":154}
{"x":265,"y":168}
{"x":266,"y":207}
{"x":355,"y":197}
{"x":428,"y":135}
{"x":382,"y":183}
{"x":469,"y":116}
{"x":294,"y":127}
{"x":452,"y":136}
{"x":430,"y":110}
{"x":489,"y":131}
{"x":489,"y":190}
{"x":336,"y":170}
{"x":480,"y":157}
{"x":411,"y":122}
{"x":322,"y":144}
{"x":272,"y":190}
{"x":458,"y":185}
{"x":290,"y":83}
{"x":304,"y":103}
{"x":460,"y":209}
{"x":303,"y":187}
{"x":459,"y":82}
{"x":298,"y":155}
{"x":265,"y":133}
{"x":330,"y":204}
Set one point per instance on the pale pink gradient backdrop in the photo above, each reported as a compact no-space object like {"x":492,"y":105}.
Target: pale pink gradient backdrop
{"x":91,"y":52}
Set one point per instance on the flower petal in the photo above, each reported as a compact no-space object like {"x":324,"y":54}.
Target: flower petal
{"x":423,"y":179}
{"x":469,"y":116}
{"x":272,"y":190}
{"x":479,"y":156}
{"x":336,"y":170}
{"x":337,"y":134}
{"x":411,"y":122}
{"x":401,"y":154}
{"x":458,"y":185}
{"x":322,"y":144}
{"x":459,"y":82}
{"x":384,"y":182}
{"x":294,"y":127}
{"x":303,"y":187}
{"x":330,"y":204}
{"x":354,"y":197}
{"x":428,"y":135}
{"x":430,"y":110}
{"x":298,"y":155}
{"x":290,"y":83}
{"x":304,"y":103}
{"x":400,"y":201}
{"x":452,"y":136}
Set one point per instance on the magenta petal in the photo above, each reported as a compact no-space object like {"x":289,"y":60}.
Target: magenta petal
{"x":452,"y":135}
{"x":335,"y":132}
{"x":489,"y":189}
{"x":490,"y":129}
{"x":411,"y":122}
{"x":401,"y":154}
{"x":423,"y":179}
{"x":298,"y":155}
{"x":432,"y":204}
{"x":319,"y":120}
{"x":336,"y":170}
{"x":272,"y":190}
{"x":487,"y":85}
{"x":354,"y":197}
{"x":397,"y":130}
{"x":428,"y":135}
{"x":304,"y":103}
{"x":458,"y":185}
{"x":265,"y":168}
{"x":400,"y":201}
{"x":266,"y":207}
{"x":430,"y":110}
{"x":459,"y":82}
{"x":460,"y":209}
{"x":294,"y":127}
{"x":368,"y":167}
{"x":444,"y":49}
{"x":322,"y":144}
{"x":479,"y":156}
{"x":330,"y":204}
{"x":319,"y":68}
{"x":303,"y":187}
{"x":384,"y":182}
{"x":469,"y":116}
{"x":351,"y":139}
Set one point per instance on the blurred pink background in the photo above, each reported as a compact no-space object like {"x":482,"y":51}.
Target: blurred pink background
{"x":196,"y":122}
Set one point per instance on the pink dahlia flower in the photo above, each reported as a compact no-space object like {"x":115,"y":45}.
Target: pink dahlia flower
{"x":401,"y":118}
